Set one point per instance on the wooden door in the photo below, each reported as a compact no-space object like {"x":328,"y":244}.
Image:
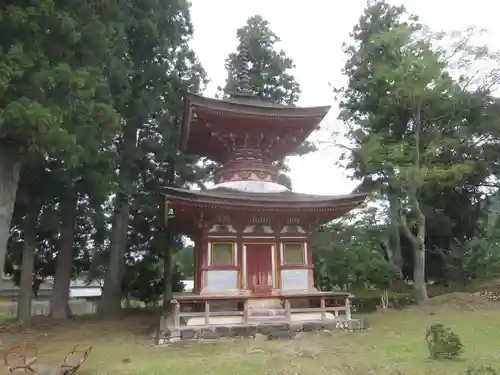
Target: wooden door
{"x":259,"y":266}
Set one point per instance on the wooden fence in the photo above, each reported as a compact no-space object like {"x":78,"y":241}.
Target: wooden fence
{"x":207,"y":312}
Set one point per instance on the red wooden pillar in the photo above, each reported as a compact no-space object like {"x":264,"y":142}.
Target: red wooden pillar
{"x":203,"y":260}
{"x":199,"y":263}
{"x":239,"y":244}
{"x":279,"y":247}
{"x":196,"y":256}
{"x":239,"y":226}
{"x":310,"y":264}
{"x":277,"y":227}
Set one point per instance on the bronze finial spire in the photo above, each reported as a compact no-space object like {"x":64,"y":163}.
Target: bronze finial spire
{"x":244,"y":88}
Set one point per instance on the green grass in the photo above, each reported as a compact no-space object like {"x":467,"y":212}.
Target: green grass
{"x":394,"y":344}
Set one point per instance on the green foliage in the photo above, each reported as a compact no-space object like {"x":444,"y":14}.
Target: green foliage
{"x":478,"y":257}
{"x":153,"y":73}
{"x":48,"y":84}
{"x":185,"y":259}
{"x":443,"y":342}
{"x":413,"y":94}
{"x":481,"y":257}
{"x":480,"y":370}
{"x":144,"y":281}
{"x":420,"y":136}
{"x":365,"y":302}
{"x":269,"y":72}
{"x":270,"y":76}
{"x":96,"y":106}
{"x":349,"y":252}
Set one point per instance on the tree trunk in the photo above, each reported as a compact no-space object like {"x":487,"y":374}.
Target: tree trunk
{"x":419,"y":240}
{"x":166,"y":235}
{"x":59,"y":302}
{"x":167,"y":271}
{"x":384,"y":299}
{"x":395,"y":239}
{"x":10,"y":166}
{"x":420,"y":288}
{"x":27,"y":268}
{"x":418,"y":246}
{"x":110,"y":303}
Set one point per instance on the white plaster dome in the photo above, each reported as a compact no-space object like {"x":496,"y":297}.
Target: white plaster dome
{"x":253,"y":186}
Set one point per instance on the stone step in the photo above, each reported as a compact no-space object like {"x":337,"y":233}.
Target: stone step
{"x":267,"y":319}
{"x":266,"y":303}
{"x":266,"y":312}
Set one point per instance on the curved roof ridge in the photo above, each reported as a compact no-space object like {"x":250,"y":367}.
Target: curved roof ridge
{"x":278,"y":197}
{"x":255,"y":103}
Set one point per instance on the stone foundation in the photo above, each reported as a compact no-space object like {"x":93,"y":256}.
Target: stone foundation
{"x":267,"y":331}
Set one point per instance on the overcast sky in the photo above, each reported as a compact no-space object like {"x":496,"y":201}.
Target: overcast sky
{"x":312,"y":33}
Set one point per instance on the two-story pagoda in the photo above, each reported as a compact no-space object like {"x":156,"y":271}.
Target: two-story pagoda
{"x":252,"y":235}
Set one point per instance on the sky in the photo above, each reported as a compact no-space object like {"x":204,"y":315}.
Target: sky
{"x":312,"y":34}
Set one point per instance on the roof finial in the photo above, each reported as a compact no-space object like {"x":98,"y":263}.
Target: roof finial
{"x":244,"y":88}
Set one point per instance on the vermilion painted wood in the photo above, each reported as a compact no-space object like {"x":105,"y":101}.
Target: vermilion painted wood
{"x":297,"y":266}
{"x":237,"y":268}
{"x":259,"y":266}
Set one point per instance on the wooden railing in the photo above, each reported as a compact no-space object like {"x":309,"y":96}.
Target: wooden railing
{"x":177,"y":314}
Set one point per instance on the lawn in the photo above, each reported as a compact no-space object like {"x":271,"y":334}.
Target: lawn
{"x":394,"y":345}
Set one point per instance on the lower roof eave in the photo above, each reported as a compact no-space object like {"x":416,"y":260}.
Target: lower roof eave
{"x":244,"y":202}
{"x":290,"y":208}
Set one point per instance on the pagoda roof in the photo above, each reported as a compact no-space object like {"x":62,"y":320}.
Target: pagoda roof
{"x":255,"y":105}
{"x":192,"y":207}
{"x":211,"y":126}
{"x":228,"y":196}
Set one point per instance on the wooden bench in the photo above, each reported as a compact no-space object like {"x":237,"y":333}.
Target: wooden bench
{"x":21,"y":358}
{"x":75,"y":358}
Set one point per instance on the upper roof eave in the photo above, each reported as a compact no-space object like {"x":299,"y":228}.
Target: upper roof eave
{"x":255,"y":107}
{"x":246,"y":107}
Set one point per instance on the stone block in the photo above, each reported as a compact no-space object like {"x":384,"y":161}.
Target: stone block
{"x":164,"y":334}
{"x":264,"y":329}
{"x":330,"y":325}
{"x":188,"y":334}
{"x":175,"y":336}
{"x":225,"y":331}
{"x":245,"y":331}
{"x":268,"y":328}
{"x":281,"y":335}
{"x":365,"y":324}
{"x":210,"y":334}
{"x":251,"y":331}
{"x":312,"y":326}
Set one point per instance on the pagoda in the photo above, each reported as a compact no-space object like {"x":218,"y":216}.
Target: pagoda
{"x":252,"y":235}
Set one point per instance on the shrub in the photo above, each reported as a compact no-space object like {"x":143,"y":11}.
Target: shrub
{"x":367,"y":304}
{"x":443,"y":342}
{"x":481,"y":370}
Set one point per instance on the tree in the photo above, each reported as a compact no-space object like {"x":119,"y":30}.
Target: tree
{"x":270,"y":75}
{"x":42,"y":91}
{"x":351,"y":252}
{"x":157,"y":67}
{"x":360,"y":103}
{"x":406,"y":113}
{"x":270,"y":68}
{"x":30,"y":200}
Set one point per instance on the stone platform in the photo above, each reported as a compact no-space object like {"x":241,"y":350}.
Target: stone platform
{"x":271,"y":331}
